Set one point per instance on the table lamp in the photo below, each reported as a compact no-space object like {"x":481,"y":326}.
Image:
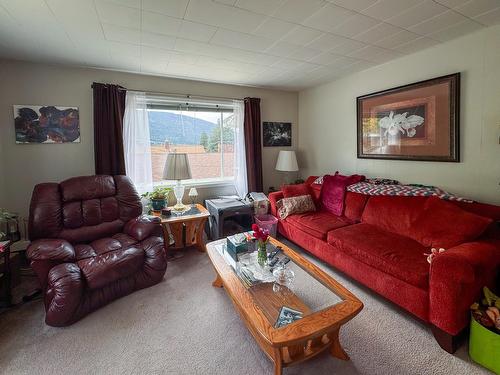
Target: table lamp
{"x":287,"y":162}
{"x":193,"y":193}
{"x":177,"y":168}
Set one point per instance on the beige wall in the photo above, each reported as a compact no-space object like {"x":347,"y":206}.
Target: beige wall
{"x":327,"y":118}
{"x":38,"y":84}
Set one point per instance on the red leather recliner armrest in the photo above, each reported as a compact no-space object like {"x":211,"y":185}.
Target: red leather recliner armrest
{"x":274,"y":197}
{"x":51,"y":249}
{"x":143,"y":227}
{"x":456,"y":279}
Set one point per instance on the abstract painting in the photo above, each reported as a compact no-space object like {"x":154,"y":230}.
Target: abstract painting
{"x":278,"y":134}
{"x":419,"y":121}
{"x":46,"y":124}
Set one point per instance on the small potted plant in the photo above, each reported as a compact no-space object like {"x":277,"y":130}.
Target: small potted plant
{"x":158,"y":197}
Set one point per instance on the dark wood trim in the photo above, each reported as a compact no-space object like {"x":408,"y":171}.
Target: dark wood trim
{"x":449,"y":342}
{"x":454,"y":156}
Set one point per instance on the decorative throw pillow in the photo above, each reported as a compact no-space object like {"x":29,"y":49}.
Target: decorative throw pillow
{"x":295,"y":190}
{"x":295,"y":205}
{"x":443,"y":224}
{"x":333,"y":191}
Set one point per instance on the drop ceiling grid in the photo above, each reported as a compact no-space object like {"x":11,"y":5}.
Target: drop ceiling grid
{"x":233,"y":40}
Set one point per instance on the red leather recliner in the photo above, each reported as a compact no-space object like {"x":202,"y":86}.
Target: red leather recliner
{"x":91,"y":245}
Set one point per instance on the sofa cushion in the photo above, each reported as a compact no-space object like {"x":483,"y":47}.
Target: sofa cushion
{"x":295,"y":190}
{"x":295,"y":205}
{"x":354,"y":205}
{"x":114,"y":265}
{"x":443,"y":224}
{"x":394,"y":214}
{"x":393,"y":254}
{"x":333,"y":191}
{"x":318,"y":223}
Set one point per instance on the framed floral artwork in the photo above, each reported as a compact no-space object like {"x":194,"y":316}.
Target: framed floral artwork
{"x":419,"y":121}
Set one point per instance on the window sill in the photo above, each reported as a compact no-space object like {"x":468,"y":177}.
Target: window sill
{"x":197,"y":184}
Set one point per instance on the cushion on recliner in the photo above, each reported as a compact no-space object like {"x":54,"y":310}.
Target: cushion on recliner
{"x":317,"y":223}
{"x":114,"y":265}
{"x":393,"y":254}
{"x":103,"y":245}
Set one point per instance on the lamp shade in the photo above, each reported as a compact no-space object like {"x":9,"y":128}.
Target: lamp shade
{"x":287,"y":162}
{"x":177,"y":167}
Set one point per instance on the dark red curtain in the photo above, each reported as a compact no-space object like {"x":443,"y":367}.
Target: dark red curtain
{"x":253,"y":144}
{"x":109,"y":107}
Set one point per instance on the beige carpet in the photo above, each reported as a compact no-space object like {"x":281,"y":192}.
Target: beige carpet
{"x":185,"y":326}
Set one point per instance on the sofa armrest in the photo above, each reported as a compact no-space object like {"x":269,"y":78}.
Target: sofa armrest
{"x":142,"y":227}
{"x":51,"y":249}
{"x":274,"y":197}
{"x":456,"y":279}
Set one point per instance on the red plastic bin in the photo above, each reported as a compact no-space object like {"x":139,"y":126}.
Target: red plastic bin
{"x":268,"y":222}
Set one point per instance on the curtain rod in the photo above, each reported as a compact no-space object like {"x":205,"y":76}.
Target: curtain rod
{"x":187,"y":96}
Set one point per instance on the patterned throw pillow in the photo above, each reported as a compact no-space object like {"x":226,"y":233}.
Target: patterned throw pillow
{"x":295,"y":205}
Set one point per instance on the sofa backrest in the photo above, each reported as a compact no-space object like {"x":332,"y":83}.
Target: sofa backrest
{"x":83,"y":209}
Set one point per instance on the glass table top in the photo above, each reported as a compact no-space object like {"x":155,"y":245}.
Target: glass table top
{"x":284,"y":294}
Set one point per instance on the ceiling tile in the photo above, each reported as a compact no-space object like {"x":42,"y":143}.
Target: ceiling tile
{"x":451,"y":3}
{"x":244,"y":41}
{"x":174,"y":8}
{"x":184,"y":58}
{"x":416,"y":45}
{"x":220,"y":15}
{"x":397,"y":39}
{"x":288,"y":64}
{"x":326,"y":58}
{"x":457,"y":30}
{"x":128,"y":3}
{"x":301,"y":35}
{"x":355,"y":25}
{"x":326,"y":42}
{"x":489,"y":18}
{"x":298,"y":10}
{"x":121,"y":34}
{"x":385,"y":9}
{"x":227,"y":2}
{"x":265,"y":7}
{"x":380,"y":31}
{"x":160,"y":24}
{"x":157,"y":40}
{"x":437,"y":23}
{"x":155,"y":54}
{"x":114,"y":14}
{"x":273,"y":28}
{"x":419,"y":13}
{"x":343,"y":62}
{"x":124,"y":50}
{"x":196,"y":31}
{"x":348,"y":47}
{"x":153,"y":66}
{"x":304,"y":54}
{"x":282,"y":49}
{"x":366,"y":53}
{"x":328,"y":17}
{"x":356,"y":5}
{"x":474,"y":8}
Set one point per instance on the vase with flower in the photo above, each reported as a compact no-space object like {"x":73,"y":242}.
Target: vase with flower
{"x":262,"y":237}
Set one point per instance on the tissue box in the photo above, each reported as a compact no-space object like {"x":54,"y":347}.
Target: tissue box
{"x":236,"y":244}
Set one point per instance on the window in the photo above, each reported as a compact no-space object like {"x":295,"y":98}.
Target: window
{"x":205,"y":131}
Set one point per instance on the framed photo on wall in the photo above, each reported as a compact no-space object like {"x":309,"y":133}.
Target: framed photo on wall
{"x":46,"y":124}
{"x":277,"y":134}
{"x":419,"y":121}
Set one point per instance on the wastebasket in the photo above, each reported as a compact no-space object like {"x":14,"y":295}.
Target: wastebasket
{"x":268,"y":222}
{"x":484,"y":346}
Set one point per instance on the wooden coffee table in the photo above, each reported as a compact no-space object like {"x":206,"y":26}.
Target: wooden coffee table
{"x":325,"y":304}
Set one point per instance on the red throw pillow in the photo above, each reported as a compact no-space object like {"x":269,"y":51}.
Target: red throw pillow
{"x":295,"y":190}
{"x":333,"y":191}
{"x":443,"y":224}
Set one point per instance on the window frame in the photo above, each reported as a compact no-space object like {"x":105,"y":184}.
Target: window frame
{"x":178,"y":104}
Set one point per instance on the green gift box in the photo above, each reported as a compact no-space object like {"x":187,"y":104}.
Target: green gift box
{"x":236,"y":244}
{"x":484,"y":346}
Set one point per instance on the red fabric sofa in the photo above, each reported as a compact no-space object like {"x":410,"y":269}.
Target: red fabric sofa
{"x":370,"y":243}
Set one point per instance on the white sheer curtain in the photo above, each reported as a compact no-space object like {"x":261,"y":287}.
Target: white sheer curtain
{"x":136,"y":141}
{"x":240,"y":164}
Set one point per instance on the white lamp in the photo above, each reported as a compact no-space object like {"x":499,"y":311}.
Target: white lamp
{"x":177,"y":168}
{"x":193,"y":193}
{"x":287,"y":162}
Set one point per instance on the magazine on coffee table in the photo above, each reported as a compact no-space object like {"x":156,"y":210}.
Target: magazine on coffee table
{"x":286,"y":316}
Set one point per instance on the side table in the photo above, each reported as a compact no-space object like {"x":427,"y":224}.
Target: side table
{"x":186,"y":227}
